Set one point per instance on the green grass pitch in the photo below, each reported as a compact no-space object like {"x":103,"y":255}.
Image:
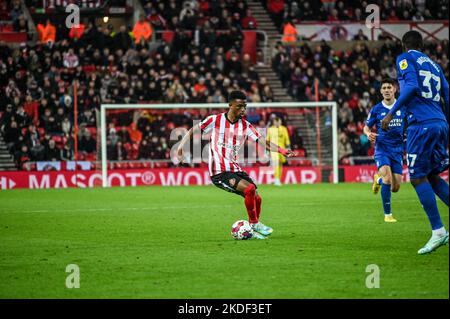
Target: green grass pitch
{"x":174,"y":242}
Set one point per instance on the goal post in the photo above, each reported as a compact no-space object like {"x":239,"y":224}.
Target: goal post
{"x":328,"y":107}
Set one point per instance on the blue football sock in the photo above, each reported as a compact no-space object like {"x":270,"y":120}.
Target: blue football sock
{"x":441,"y":190}
{"x":386,"y":198}
{"x":428,"y":201}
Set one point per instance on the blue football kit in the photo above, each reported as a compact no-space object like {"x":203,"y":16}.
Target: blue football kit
{"x":388,"y":144}
{"x":422,"y":83}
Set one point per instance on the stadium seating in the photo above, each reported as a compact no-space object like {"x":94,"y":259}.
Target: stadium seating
{"x":350,"y":10}
{"x":13,"y":24}
{"x":97,"y":61}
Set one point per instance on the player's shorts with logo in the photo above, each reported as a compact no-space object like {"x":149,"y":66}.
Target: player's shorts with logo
{"x":426,"y":148}
{"x":394,"y":159}
{"x":229,"y":180}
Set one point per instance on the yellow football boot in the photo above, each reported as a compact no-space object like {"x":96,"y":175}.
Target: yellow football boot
{"x":389,"y":219}
{"x":375,"y":185}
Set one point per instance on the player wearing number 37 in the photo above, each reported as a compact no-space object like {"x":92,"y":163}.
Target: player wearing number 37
{"x":422,"y":84}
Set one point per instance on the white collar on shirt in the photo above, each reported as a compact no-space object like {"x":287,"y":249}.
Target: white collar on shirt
{"x":388,"y":106}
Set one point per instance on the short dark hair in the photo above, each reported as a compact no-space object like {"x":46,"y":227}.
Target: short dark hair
{"x":236,"y":95}
{"x":391,"y":81}
{"x":412,"y":40}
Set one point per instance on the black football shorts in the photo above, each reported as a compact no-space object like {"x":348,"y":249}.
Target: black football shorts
{"x":229,"y":180}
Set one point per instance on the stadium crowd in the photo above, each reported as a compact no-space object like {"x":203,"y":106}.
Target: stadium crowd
{"x":354,"y":10}
{"x":115,"y":66}
{"x":12,"y":17}
{"x":354,"y":82}
{"x":193,"y":15}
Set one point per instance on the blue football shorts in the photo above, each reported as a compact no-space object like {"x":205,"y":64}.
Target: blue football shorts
{"x":426,"y":148}
{"x":392,"y":159}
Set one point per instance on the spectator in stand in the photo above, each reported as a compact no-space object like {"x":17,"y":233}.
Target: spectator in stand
{"x":87,"y":118}
{"x":360,"y":36}
{"x":124,"y":135}
{"x":156,"y":19}
{"x":76,"y":32}
{"x":66,"y":126}
{"x":67,"y":152}
{"x":393,"y":16}
{"x":117,"y":152}
{"x":22,"y":155}
{"x":276,"y":8}
{"x":11,"y":134}
{"x":144,"y":150}
{"x":22,"y":118}
{"x":122,"y":39}
{"x":142,"y":30}
{"x":37,"y":151}
{"x":70,"y":59}
{"x":345,"y":148}
{"x":334,"y":16}
{"x":289,"y":33}
{"x":249,"y":21}
{"x":87,"y":144}
{"x":21,"y":24}
{"x":52,"y":153}
{"x":418,"y":16}
{"x":113,"y":138}
{"x":47,"y":32}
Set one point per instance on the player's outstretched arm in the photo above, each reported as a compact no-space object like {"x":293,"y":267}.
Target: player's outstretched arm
{"x":268,"y":145}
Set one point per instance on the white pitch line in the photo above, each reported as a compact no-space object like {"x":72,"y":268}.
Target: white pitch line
{"x":115,"y":208}
{"x":103,"y":209}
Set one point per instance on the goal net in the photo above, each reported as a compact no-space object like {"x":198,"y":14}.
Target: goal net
{"x":144,"y":137}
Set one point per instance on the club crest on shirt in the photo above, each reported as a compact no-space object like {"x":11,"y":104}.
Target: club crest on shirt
{"x":403,"y":64}
{"x":399,"y":113}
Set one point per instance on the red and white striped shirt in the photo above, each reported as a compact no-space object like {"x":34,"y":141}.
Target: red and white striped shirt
{"x":225,"y":141}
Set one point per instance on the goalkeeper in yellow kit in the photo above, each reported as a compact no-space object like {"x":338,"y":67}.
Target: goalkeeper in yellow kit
{"x":278,"y":133}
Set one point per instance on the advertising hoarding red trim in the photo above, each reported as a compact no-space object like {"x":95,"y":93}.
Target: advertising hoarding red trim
{"x":178,"y":177}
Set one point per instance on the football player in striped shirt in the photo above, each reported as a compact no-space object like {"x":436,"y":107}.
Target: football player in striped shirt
{"x":229,"y":131}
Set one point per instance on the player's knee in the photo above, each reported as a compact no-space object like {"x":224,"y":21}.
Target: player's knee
{"x":387,"y":180}
{"x":395,"y":188}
